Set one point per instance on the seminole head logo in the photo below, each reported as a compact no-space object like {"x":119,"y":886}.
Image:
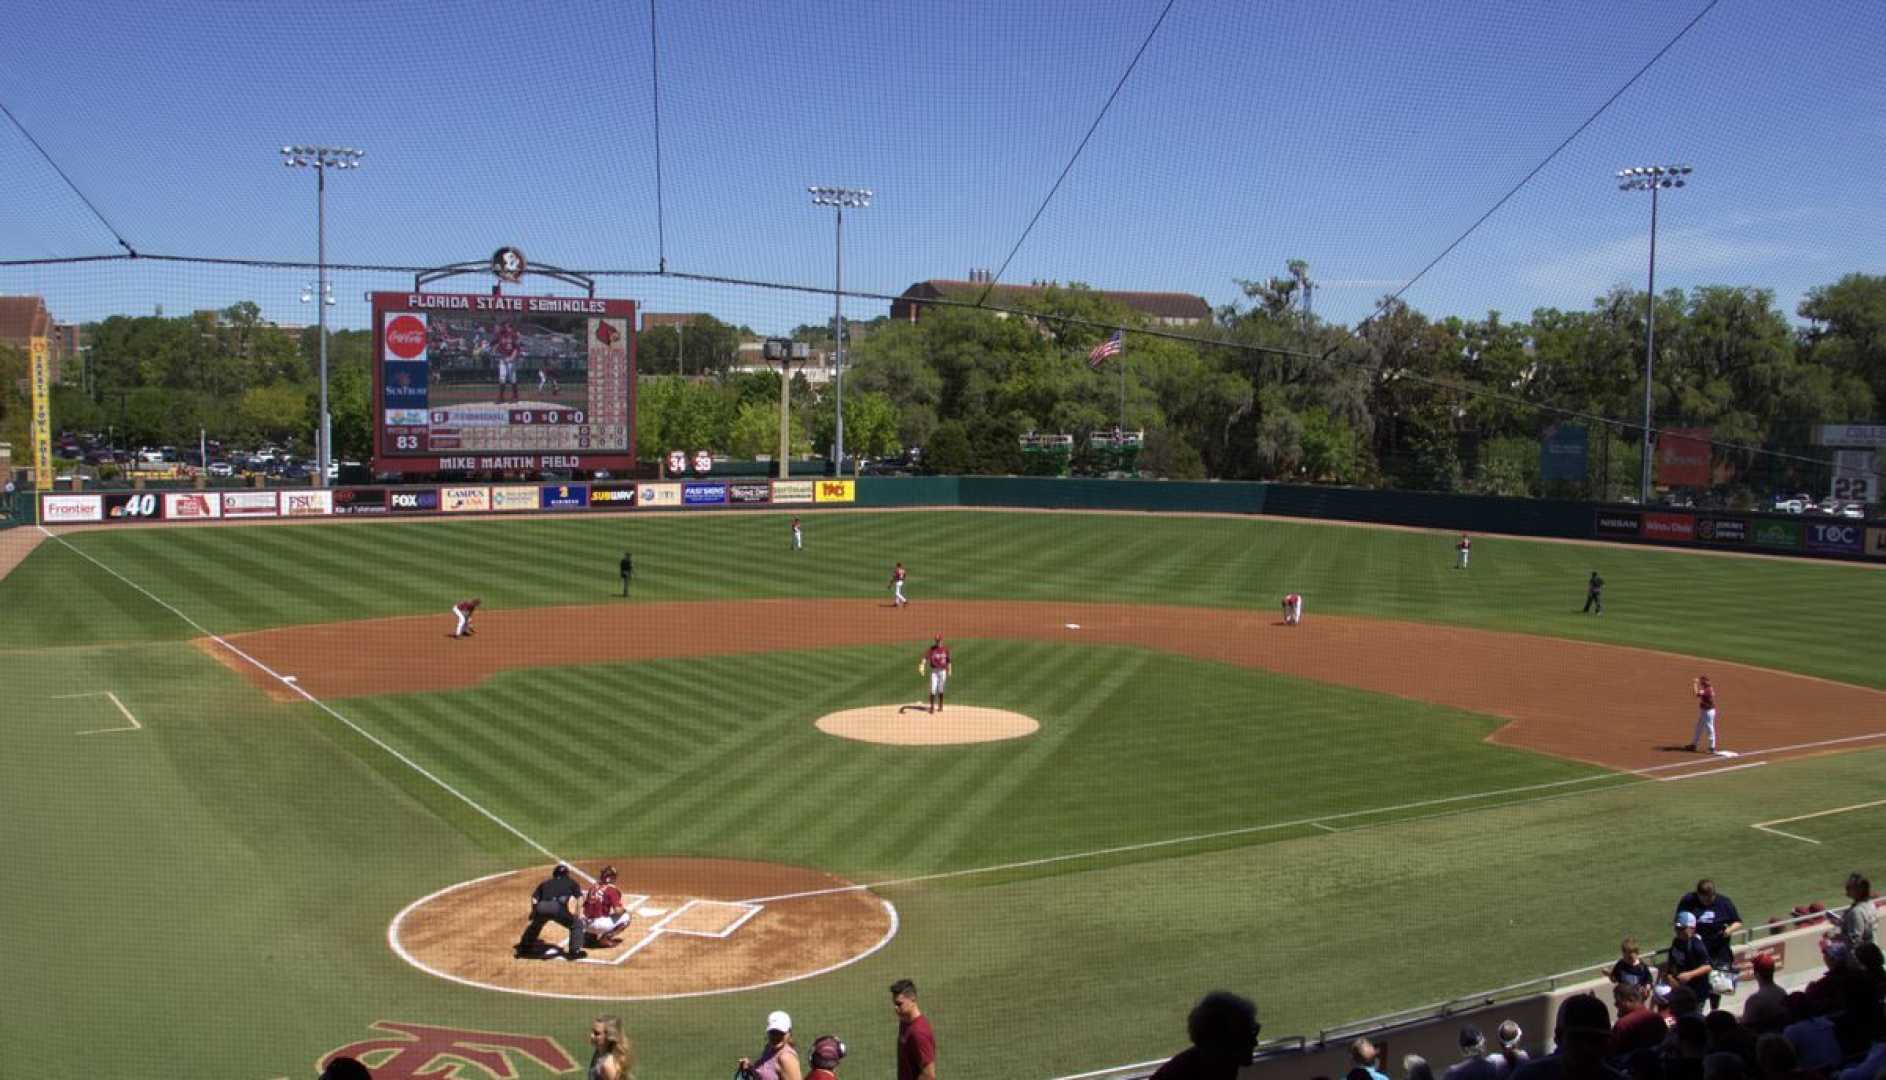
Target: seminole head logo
{"x":507,"y":264}
{"x":424,"y":1052}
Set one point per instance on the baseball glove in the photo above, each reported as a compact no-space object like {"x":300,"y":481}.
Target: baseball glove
{"x":920,"y":667}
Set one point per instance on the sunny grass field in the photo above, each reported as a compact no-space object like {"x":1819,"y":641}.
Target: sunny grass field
{"x":256,"y":850}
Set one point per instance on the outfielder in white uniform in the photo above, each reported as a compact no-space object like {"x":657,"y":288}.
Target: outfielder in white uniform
{"x":1293,"y":609}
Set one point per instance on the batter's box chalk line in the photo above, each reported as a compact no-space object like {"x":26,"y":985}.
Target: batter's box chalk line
{"x":661,"y":927}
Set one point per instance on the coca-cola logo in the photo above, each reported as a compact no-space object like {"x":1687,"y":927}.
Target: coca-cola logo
{"x":406,"y":337}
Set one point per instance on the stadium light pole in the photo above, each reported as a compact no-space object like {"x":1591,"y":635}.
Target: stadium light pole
{"x":838,"y":198}
{"x":1651,"y":178}
{"x":321,"y":159}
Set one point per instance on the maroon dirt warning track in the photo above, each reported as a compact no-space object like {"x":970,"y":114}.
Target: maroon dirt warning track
{"x":1610,"y":705}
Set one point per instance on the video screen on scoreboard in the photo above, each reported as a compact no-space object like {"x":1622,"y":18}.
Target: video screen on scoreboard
{"x":481,"y":383}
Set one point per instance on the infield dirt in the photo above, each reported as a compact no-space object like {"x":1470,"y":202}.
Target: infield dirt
{"x":1620,"y":707}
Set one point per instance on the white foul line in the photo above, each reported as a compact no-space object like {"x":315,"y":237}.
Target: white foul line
{"x":1789,"y":835}
{"x":1710,"y":772}
{"x":1768,"y":826}
{"x":290,"y":683}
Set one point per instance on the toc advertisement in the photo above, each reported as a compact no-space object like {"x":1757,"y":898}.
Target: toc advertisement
{"x":1834,"y":539}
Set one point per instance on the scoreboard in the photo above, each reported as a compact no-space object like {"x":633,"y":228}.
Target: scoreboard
{"x":469,"y":382}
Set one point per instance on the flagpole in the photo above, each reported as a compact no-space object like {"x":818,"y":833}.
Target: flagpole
{"x":1120,"y":359}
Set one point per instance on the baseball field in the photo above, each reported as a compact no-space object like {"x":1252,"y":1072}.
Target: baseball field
{"x":260,"y":808}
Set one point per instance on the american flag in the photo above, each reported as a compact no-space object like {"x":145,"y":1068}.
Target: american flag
{"x":1113,"y":346}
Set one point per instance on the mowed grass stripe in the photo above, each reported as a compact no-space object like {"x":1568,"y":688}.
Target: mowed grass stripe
{"x":476,"y":765}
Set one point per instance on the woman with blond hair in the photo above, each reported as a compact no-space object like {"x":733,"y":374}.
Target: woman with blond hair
{"x":613,"y":1054}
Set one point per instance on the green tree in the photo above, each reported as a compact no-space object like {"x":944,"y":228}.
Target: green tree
{"x":948,"y":453}
{"x":1848,"y":337}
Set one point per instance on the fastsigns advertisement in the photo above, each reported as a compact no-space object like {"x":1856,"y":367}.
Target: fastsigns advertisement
{"x":658,"y":495}
{"x":792,"y":491}
{"x":133,"y":506}
{"x":250,"y":504}
{"x":699,"y":494}
{"x":750,"y":493}
{"x":191,"y":505}
{"x":1722,"y":530}
{"x":1876,"y":543}
{"x":1778,"y":534}
{"x":307,"y":503}
{"x":612,"y":497}
{"x":565,"y":496}
{"x":360,"y":500}
{"x":1617,"y":523}
{"x":835,"y":491}
{"x":63,"y":508}
{"x":413,"y":502}
{"x":1834,"y":539}
{"x":514,"y":498}
{"x":463,"y":500}
{"x":1669,"y":526}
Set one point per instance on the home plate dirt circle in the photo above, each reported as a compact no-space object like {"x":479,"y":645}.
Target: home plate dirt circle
{"x":697,"y":927}
{"x":915,"y":725}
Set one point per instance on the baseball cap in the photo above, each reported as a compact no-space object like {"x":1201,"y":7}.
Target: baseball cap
{"x":827,"y":1051}
{"x":1686,"y":918}
{"x":1471,"y":1039}
{"x":777,"y":1020}
{"x":1764,"y":962}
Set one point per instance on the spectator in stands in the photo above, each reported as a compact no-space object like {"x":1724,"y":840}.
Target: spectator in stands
{"x":1816,"y":1047}
{"x":1775,"y":1056}
{"x":1859,"y":924}
{"x":1638,"y":1026}
{"x":1872,"y":964}
{"x":1720,"y":1066}
{"x":1716,"y":921}
{"x":1364,"y":1055}
{"x":1769,"y":1002}
{"x":1687,"y":964}
{"x":1727,"y":1037}
{"x":1416,"y":1067}
{"x":1223,"y":1028}
{"x":1863,"y":1013}
{"x":1681,"y":1001}
{"x":1474,"y":1063}
{"x":1630,"y":966}
{"x":1643,"y":1065}
{"x":1511,"y":1054}
{"x":1684,"y":1050}
{"x":1580,"y":1035}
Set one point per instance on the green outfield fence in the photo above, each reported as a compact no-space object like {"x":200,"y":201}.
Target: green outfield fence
{"x":1812,"y":535}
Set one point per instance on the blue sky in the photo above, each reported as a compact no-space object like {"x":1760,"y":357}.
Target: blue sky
{"x":1360,"y":136}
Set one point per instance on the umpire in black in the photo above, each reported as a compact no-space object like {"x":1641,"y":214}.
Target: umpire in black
{"x":627,"y":569}
{"x":550,"y":903}
{"x":1594,"y":593}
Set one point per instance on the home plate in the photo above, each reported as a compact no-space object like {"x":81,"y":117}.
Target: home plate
{"x":650,"y":912}
{"x":1073,"y":626}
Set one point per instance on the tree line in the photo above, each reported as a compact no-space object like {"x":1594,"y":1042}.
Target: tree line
{"x":1266,"y":390}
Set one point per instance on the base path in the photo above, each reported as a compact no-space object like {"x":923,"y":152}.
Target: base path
{"x":1611,"y":705}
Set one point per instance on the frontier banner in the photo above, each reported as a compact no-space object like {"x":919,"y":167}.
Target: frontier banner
{"x":1683,"y":457}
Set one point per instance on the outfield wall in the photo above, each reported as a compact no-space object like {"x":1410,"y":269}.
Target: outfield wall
{"x":1813,"y":535}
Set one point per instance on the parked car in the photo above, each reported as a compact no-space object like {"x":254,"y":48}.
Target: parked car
{"x":1853,"y":510}
{"x":221,"y":469}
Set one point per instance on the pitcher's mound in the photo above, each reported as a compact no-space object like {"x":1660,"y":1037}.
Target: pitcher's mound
{"x":915,"y":725}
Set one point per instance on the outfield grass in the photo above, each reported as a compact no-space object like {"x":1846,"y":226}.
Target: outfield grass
{"x":250,"y":853}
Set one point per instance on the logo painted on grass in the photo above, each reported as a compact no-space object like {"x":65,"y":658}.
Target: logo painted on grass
{"x":419,"y":1051}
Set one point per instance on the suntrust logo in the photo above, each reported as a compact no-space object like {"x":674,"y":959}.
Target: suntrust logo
{"x":406,"y":336}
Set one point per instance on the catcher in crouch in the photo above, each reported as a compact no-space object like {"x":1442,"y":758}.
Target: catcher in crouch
{"x":604,"y":917}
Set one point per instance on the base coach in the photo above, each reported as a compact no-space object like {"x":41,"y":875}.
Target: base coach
{"x":550,"y":902}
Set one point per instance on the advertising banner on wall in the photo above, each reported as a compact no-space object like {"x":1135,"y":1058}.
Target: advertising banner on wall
{"x":792,"y":491}
{"x":1851,"y":435}
{"x":514,"y":498}
{"x":565,"y":496}
{"x":192,"y":505}
{"x":1834,"y":539}
{"x":657,"y":495}
{"x":1778,"y":534}
{"x":133,"y":506}
{"x":250,"y":504}
{"x":1876,"y":543}
{"x":307,"y":503}
{"x":360,"y":500}
{"x":1618,"y":523}
{"x":1562,"y":455}
{"x":412,"y":502}
{"x":1683,"y":457}
{"x":834,"y":491}
{"x":68,"y":508}
{"x":1854,"y":478}
{"x":612,"y":496}
{"x":702,"y":494}
{"x":1669,"y":526}
{"x":464,"y":500}
{"x":757,"y":492}
{"x":1722,"y":530}
{"x":41,"y":378}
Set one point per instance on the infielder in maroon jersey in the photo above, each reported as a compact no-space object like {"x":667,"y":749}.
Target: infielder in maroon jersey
{"x":1705,"y":714}
{"x":463,"y":610}
{"x":1293,"y":609}
{"x":898,"y":575}
{"x":936,"y":661}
